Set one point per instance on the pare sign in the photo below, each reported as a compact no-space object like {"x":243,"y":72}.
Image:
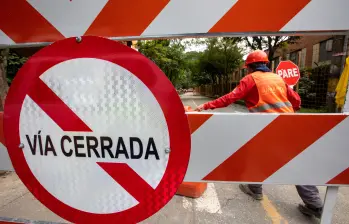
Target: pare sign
{"x":96,"y":132}
{"x":289,"y":72}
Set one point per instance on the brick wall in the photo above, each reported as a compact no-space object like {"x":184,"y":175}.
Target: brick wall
{"x":306,"y":42}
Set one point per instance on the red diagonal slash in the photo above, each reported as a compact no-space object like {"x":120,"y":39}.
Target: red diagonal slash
{"x":128,"y":179}
{"x":56,"y":109}
{"x":65,"y":118}
{"x":274,"y":147}
{"x":237,"y":19}
{"x":125,"y":22}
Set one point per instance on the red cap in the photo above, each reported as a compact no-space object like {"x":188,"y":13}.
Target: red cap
{"x":256,"y":56}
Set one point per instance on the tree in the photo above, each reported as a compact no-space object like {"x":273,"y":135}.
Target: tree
{"x":220,"y":59}
{"x":197,"y":77}
{"x":186,"y":69}
{"x":3,"y":77}
{"x":168,"y":55}
{"x":14,"y":63}
{"x":269,"y":43}
{"x":10,"y":63}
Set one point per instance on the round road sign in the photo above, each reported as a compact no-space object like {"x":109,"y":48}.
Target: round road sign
{"x":88,"y":127}
{"x":289,"y":72}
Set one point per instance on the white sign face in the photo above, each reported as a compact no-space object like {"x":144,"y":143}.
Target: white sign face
{"x":127,"y":127}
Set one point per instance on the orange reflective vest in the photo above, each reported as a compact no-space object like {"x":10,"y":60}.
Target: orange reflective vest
{"x":272,"y":94}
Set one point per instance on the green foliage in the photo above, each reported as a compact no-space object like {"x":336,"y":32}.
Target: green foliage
{"x":14,"y":63}
{"x":187,"y":69}
{"x":312,"y":110}
{"x":193,"y":65}
{"x":169,"y":56}
{"x":220,"y":59}
{"x":313,"y":86}
{"x":305,"y":85}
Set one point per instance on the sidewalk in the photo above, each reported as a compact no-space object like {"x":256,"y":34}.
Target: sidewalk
{"x":17,"y":202}
{"x":222,"y":203}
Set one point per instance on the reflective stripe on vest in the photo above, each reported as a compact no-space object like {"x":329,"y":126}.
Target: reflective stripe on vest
{"x":265,"y":107}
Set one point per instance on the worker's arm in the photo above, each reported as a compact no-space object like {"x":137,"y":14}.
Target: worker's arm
{"x":294,"y":98}
{"x":238,"y":93}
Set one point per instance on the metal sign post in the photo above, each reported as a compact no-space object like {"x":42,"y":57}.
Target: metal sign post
{"x":329,"y":204}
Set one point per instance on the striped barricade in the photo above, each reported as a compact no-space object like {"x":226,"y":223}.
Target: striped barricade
{"x":308,"y":149}
{"x":165,"y":18}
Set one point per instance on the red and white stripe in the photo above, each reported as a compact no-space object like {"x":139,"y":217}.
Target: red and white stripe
{"x":272,"y":149}
{"x":188,"y":16}
{"x":314,"y":16}
{"x":4,"y":39}
{"x":46,"y":21}
{"x":275,"y":149}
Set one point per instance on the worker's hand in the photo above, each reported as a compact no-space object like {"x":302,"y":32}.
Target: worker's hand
{"x":200,"y":108}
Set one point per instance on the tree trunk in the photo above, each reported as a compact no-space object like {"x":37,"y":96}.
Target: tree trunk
{"x":270,"y":56}
{"x":3,"y":77}
{"x":129,"y":43}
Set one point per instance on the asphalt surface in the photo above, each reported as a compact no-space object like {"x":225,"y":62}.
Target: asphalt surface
{"x":221,"y":203}
{"x":193,"y":101}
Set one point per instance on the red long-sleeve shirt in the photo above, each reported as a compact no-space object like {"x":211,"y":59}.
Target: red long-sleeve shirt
{"x":247,"y":91}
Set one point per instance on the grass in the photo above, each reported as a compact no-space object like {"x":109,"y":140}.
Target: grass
{"x":311,"y":110}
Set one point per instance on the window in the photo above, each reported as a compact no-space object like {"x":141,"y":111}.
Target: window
{"x":325,"y":55}
{"x":299,"y":58}
{"x":303,"y":54}
{"x":329,"y":45}
{"x":294,"y":57}
{"x":316,"y":53}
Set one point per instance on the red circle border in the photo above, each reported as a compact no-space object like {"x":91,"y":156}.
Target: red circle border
{"x":150,"y":75}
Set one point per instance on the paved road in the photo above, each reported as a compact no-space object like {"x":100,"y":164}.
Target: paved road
{"x":194,"y":101}
{"x":221,"y":203}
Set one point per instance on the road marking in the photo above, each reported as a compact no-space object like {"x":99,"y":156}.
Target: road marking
{"x":194,"y":103}
{"x":272,"y":212}
{"x":208,"y":202}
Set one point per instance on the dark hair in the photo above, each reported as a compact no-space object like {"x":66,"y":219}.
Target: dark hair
{"x":254,"y":66}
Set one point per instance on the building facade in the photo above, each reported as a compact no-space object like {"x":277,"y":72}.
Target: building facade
{"x":312,"y":51}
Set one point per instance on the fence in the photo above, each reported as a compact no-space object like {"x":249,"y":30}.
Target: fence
{"x":216,"y":90}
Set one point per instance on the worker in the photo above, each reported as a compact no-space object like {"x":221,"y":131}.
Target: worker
{"x":266,"y":92}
